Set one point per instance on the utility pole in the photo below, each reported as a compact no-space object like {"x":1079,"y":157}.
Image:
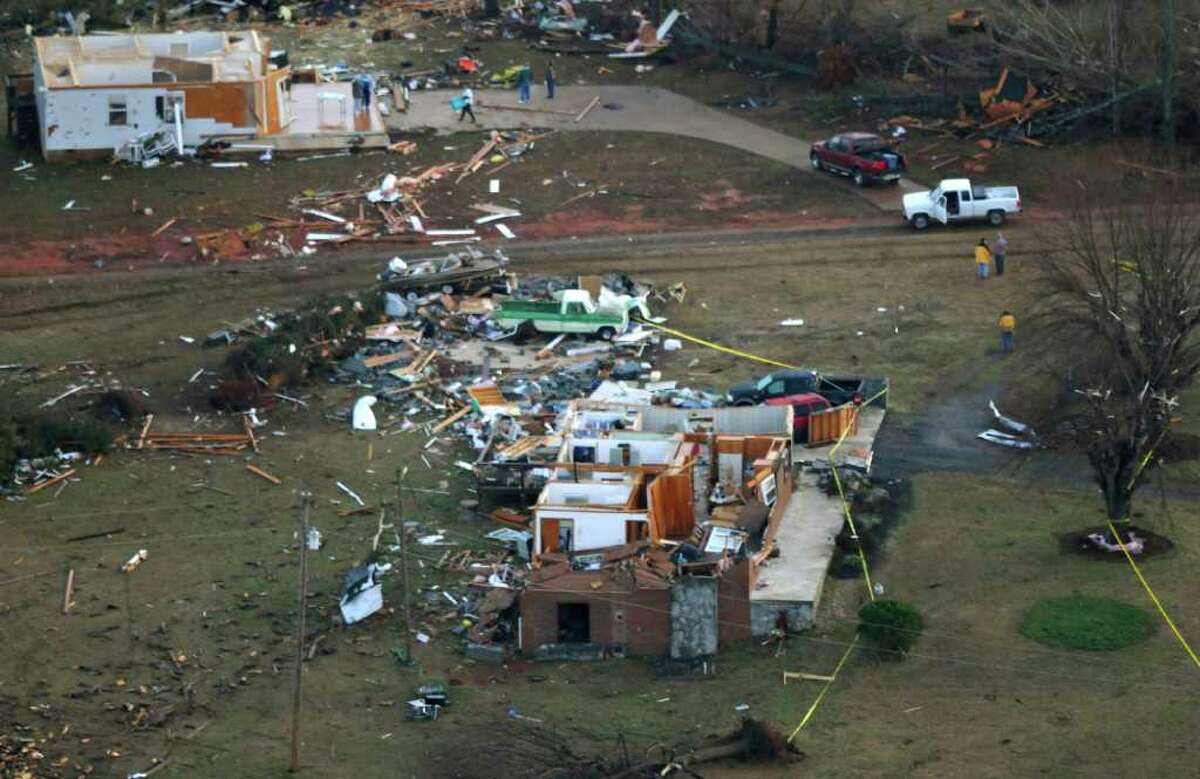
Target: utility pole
{"x":295,"y":764}
{"x":1114,"y":61}
{"x":408,"y":628}
{"x":1168,"y":72}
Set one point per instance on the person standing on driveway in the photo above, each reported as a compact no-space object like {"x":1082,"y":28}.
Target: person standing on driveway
{"x":524,"y":84}
{"x":550,"y":81}
{"x":1001,"y":250}
{"x":983,"y":258}
{"x":1008,"y":328}
{"x":468,"y":100}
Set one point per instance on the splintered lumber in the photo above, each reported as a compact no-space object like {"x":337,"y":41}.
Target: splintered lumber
{"x":199,"y":443}
{"x":805,"y":677}
{"x":410,"y":388}
{"x":69,"y":592}
{"x":450,"y":420}
{"x":479,"y":156}
{"x":548,"y":349}
{"x":525,"y":109}
{"x":385,"y":359}
{"x":588,"y":109}
{"x":522,"y":447}
{"x":250,"y":432}
{"x":510,"y":517}
{"x":262,"y":474}
{"x":50,"y":482}
{"x":145,"y":429}
{"x":486,"y":395}
{"x":166,"y":225}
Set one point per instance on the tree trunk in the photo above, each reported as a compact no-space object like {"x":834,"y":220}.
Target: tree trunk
{"x":772,"y":25}
{"x":1119,"y":504}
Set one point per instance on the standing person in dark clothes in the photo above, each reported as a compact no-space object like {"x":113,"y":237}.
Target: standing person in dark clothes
{"x":550,"y":81}
{"x":1000,"y":251}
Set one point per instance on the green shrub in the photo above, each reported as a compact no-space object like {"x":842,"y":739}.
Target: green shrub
{"x":42,"y":435}
{"x":9,"y":446}
{"x":1092,"y":624}
{"x":890,"y":626}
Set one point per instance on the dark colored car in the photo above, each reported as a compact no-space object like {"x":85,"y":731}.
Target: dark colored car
{"x":864,"y":157}
{"x":803,"y":406}
{"x":838,"y":390}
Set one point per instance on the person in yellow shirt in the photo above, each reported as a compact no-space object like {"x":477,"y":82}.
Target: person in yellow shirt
{"x":983,"y":258}
{"x":1008,"y":326}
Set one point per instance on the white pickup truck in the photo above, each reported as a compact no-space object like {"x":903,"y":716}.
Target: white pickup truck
{"x":958,"y":200}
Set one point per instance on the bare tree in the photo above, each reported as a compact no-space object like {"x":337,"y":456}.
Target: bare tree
{"x":1121,"y":292}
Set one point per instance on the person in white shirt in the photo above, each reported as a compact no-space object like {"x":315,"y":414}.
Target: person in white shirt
{"x":468,"y":101}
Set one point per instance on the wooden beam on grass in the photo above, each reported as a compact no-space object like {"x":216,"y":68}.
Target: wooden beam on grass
{"x":254,"y":469}
{"x":50,"y":482}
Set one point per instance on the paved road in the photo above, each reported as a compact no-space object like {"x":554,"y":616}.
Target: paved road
{"x":627,"y":108}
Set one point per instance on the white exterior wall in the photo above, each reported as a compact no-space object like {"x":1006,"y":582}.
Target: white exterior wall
{"x":560,"y":493}
{"x":79,"y":118}
{"x":593,"y":529}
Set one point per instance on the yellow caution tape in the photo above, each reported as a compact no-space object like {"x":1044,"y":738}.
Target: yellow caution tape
{"x":837,"y":479}
{"x":1150,"y":591}
{"x":1138,"y":571}
{"x":719,"y":347}
{"x":821,"y":696}
{"x":862,"y":558}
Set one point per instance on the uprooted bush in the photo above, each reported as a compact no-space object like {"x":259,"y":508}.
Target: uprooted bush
{"x":42,"y":436}
{"x":890,"y":626}
{"x":305,"y":342}
{"x":119,"y":406}
{"x":8,"y":445}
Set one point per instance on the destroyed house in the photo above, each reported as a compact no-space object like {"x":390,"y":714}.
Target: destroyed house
{"x":101,"y":94}
{"x":652,"y":530}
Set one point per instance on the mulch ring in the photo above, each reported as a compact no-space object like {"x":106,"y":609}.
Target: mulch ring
{"x":1078,"y":542}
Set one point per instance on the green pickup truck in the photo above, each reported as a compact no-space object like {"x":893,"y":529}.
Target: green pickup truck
{"x":576,"y":312}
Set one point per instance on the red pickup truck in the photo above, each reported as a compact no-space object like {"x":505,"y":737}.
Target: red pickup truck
{"x":863,"y":157}
{"x":803,"y":406}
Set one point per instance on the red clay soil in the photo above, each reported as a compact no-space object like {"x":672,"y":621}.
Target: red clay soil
{"x":136,"y":252}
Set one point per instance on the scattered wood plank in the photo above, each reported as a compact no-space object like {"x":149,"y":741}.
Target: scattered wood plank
{"x":145,"y":430}
{"x":526,"y":109}
{"x":50,"y":482}
{"x":66,"y":394}
{"x":1148,"y":169}
{"x":385,"y":359}
{"x":595,"y":100}
{"x":549,"y":348}
{"x":805,"y":677}
{"x":450,"y":420}
{"x":69,"y":592}
{"x":165,"y":226}
{"x":254,"y":469}
{"x":250,"y":432}
{"x":945,"y":162}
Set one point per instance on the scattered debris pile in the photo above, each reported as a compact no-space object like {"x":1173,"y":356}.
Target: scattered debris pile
{"x":1022,"y":436}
